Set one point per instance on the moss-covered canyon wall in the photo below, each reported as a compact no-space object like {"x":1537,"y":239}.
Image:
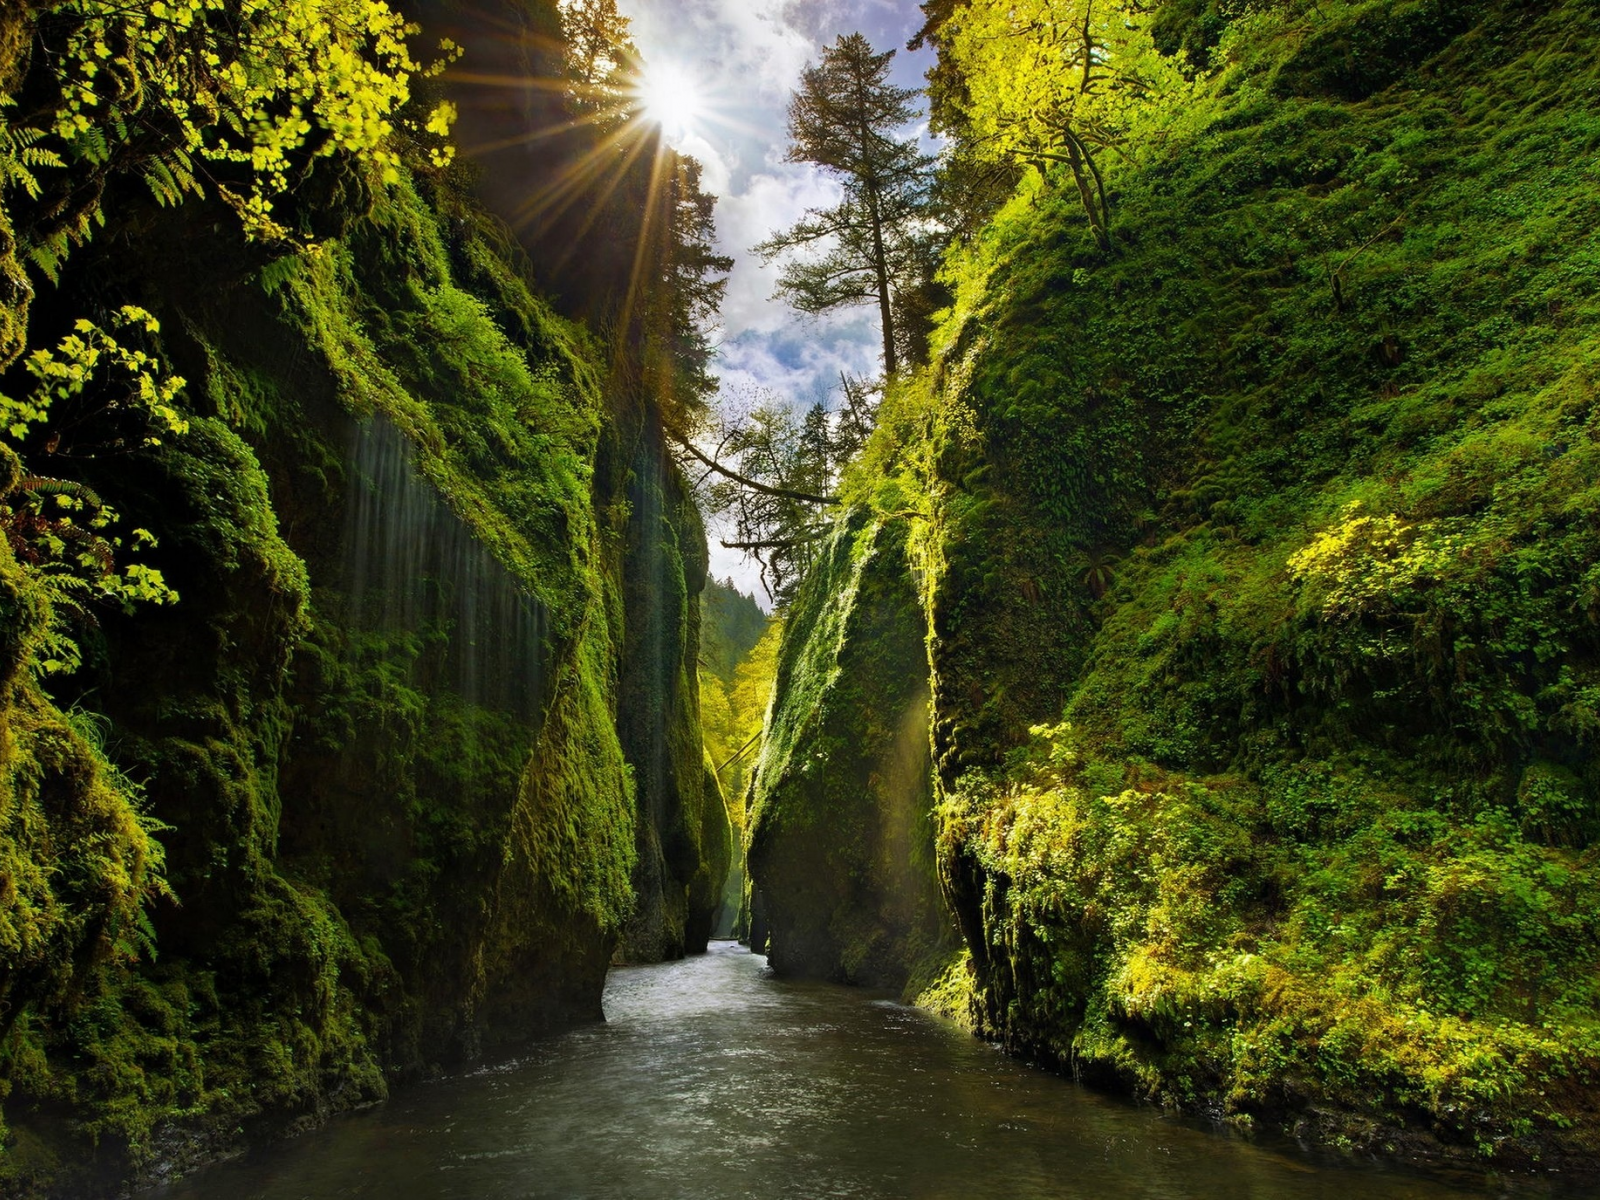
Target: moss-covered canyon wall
{"x":840,"y":842}
{"x":1256,"y":566}
{"x":415,"y":752}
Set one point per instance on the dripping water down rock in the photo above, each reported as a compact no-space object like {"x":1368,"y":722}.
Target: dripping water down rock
{"x":412,"y":568}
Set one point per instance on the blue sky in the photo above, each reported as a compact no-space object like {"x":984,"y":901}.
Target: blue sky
{"x":745,"y":57}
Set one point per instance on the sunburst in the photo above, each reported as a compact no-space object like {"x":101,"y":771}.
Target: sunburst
{"x":655,"y":114}
{"x":670,"y":98}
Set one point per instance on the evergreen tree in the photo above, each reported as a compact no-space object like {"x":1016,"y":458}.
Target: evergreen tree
{"x":621,"y":226}
{"x":874,"y":242}
{"x":600,"y":55}
{"x":691,"y":280}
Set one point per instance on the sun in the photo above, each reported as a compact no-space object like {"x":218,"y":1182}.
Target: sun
{"x":669,"y":97}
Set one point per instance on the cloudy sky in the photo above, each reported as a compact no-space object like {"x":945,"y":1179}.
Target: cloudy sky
{"x":743,"y":58}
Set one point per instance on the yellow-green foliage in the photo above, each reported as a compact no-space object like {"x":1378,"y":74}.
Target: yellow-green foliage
{"x":1189,"y":935}
{"x":737,"y":667}
{"x":1042,"y":74}
{"x":1288,"y":501}
{"x":250,"y":83}
{"x":413,"y":876}
{"x":373,"y":868}
{"x":478,"y":410}
{"x":77,"y":857}
{"x":732,"y":712}
{"x":66,"y":537}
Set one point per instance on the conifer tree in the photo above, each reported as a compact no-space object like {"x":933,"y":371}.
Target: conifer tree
{"x":600,"y":53}
{"x":844,"y":119}
{"x":687,"y":292}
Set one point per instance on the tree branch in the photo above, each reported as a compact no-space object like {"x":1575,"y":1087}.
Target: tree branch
{"x":746,"y":481}
{"x":781,"y":544}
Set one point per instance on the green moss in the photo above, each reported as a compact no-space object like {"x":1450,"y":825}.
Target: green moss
{"x":1317,"y":937}
{"x":1288,"y":506}
{"x":400,"y":338}
{"x":78,"y":861}
{"x":707,"y":889}
{"x":840,"y":832}
{"x":376,"y":868}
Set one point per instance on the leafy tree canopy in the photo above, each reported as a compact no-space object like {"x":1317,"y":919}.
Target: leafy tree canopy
{"x":1057,"y":81}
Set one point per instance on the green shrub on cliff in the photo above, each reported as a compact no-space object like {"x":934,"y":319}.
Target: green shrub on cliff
{"x":1311,"y":935}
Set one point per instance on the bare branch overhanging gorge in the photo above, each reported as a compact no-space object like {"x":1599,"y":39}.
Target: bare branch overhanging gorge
{"x":745,"y":481}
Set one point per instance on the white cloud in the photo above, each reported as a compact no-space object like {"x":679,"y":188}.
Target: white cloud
{"x":802,"y":361}
{"x":746,"y":56}
{"x":769,"y":202}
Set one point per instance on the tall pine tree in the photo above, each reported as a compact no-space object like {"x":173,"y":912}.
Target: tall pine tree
{"x":844,"y":119}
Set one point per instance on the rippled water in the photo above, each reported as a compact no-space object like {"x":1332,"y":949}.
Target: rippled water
{"x":711,"y":1079}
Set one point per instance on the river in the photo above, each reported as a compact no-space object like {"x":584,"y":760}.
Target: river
{"x":710,"y":1079}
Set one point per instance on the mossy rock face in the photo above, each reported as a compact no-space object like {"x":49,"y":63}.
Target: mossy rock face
{"x":1191,"y":26}
{"x":1264,"y":609}
{"x":16,"y":292}
{"x":1261,"y":605}
{"x":840,"y":842}
{"x":78,"y":863}
{"x":658,"y":716}
{"x":381,"y":736}
{"x":15,"y":295}
{"x":1359,"y":55}
{"x":707,"y":894}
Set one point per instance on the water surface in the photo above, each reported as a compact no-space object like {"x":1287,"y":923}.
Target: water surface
{"x":710,"y":1079}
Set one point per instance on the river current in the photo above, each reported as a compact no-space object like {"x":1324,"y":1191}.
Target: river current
{"x":711,"y":1079}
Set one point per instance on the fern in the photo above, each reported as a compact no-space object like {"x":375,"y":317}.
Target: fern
{"x":21,"y":155}
{"x":170,"y":177}
{"x":279,"y":272}
{"x":51,"y":249}
{"x":40,"y":486}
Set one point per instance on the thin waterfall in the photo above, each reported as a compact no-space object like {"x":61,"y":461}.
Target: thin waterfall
{"x":412,"y":566}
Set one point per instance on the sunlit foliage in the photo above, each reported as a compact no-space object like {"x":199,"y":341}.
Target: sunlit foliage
{"x":1255,"y":529}
{"x":601,"y":59}
{"x":62,"y":532}
{"x":1059,"y":81}
{"x":239,"y":93}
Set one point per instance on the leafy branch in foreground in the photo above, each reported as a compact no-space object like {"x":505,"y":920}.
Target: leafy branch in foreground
{"x":60,"y":531}
{"x":253,"y":88}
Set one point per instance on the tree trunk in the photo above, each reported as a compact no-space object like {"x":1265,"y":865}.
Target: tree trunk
{"x":880,"y":263}
{"x":880,"y":256}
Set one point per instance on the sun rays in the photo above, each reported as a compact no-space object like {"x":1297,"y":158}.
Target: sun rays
{"x":671,"y":99}
{"x":588,"y":152}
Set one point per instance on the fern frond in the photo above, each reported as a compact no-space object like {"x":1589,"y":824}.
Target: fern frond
{"x":19,"y":156}
{"x":170,"y":176}
{"x":49,"y":254}
{"x":57,"y":654}
{"x":38,"y":485}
